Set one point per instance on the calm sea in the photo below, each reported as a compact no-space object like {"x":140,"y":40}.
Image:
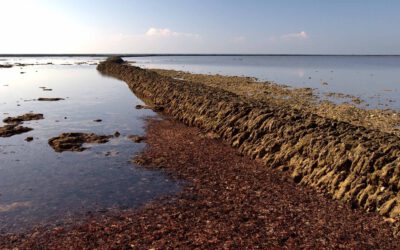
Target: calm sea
{"x":376,"y":79}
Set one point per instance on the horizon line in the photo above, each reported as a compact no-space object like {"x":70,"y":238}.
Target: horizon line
{"x":172,"y":54}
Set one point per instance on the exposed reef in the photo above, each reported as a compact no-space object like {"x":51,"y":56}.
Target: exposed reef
{"x":47,"y":99}
{"x":22,"y":118}
{"x":74,"y":141}
{"x":14,"y":129}
{"x":13,"y":124}
{"x":304,"y":99}
{"x":351,"y":163}
{"x":5,"y":66}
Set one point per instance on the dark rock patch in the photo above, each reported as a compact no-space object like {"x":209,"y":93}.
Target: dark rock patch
{"x":136,"y":138}
{"x":29,"y":139}
{"x":74,"y":141}
{"x":22,"y":118}
{"x":14,"y":129}
{"x":47,"y":99}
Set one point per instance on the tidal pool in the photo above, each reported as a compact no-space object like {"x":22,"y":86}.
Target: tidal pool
{"x":39,"y":186}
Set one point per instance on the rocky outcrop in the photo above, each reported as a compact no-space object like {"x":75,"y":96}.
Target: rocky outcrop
{"x":351,"y":163}
{"x":74,"y":141}
{"x":13,"y":129}
{"x":23,"y":118}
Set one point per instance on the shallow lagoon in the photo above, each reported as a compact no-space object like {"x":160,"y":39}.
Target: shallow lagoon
{"x":375,"y":79}
{"x":40,"y":186}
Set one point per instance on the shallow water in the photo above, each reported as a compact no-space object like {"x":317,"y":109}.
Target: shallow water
{"x":375,"y":79}
{"x":39,"y":186}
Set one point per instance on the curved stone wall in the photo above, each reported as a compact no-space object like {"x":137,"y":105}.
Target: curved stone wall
{"x":352,"y":164}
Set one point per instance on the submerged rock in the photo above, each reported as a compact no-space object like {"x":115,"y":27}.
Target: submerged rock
{"x":74,"y":141}
{"x":136,"y":138}
{"x":26,"y":117}
{"x":5,"y":66}
{"x":29,"y":139}
{"x":46,"y":99}
{"x":156,"y":108}
{"x":13,"y":129}
{"x":46,"y":89}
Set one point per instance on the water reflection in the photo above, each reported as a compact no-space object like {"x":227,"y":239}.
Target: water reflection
{"x":376,"y":79}
{"x":38,"y":185}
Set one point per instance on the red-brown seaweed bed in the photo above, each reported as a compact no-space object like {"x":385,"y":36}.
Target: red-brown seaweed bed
{"x":351,"y":163}
{"x":230,"y":202}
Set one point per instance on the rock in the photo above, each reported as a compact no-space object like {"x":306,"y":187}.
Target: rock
{"x":136,"y":138}
{"x":47,"y":99}
{"x":117,"y":134}
{"x":335,"y":156}
{"x":75,"y":141}
{"x":26,"y":117}
{"x":14,"y":129}
{"x":156,"y":108}
{"x":98,"y":120}
{"x":142,"y":107}
{"x":29,"y":139}
{"x":115,"y":59}
{"x":45,"y":89}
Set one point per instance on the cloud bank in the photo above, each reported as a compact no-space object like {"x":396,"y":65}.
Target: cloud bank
{"x":298,"y":35}
{"x":165,"y":32}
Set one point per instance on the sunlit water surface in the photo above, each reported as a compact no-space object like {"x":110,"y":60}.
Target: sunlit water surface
{"x":40,"y":186}
{"x":375,"y":79}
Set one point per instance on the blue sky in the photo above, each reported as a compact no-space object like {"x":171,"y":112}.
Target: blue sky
{"x":200,"y":26}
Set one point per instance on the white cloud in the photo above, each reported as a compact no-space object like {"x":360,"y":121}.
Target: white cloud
{"x":298,"y":35}
{"x":165,"y":32}
{"x":160,"y":32}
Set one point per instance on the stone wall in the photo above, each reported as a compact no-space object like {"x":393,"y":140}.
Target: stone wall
{"x":352,"y":164}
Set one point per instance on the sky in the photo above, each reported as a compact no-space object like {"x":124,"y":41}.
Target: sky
{"x":200,"y":26}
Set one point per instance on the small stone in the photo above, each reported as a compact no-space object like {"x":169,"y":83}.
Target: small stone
{"x":136,"y":138}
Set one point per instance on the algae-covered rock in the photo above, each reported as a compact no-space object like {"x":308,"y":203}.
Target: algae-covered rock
{"x":75,"y":141}
{"x":26,"y":117}
{"x":14,"y":129}
{"x":351,"y":163}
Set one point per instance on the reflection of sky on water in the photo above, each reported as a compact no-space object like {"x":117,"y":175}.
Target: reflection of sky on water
{"x":38,"y":185}
{"x":376,"y":79}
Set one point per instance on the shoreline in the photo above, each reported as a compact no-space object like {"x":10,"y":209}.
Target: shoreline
{"x":240,"y":192}
{"x":303,"y":99}
{"x":350,"y":163}
{"x":229,"y":201}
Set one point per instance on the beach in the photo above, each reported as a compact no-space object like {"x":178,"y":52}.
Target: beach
{"x":262,"y":165}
